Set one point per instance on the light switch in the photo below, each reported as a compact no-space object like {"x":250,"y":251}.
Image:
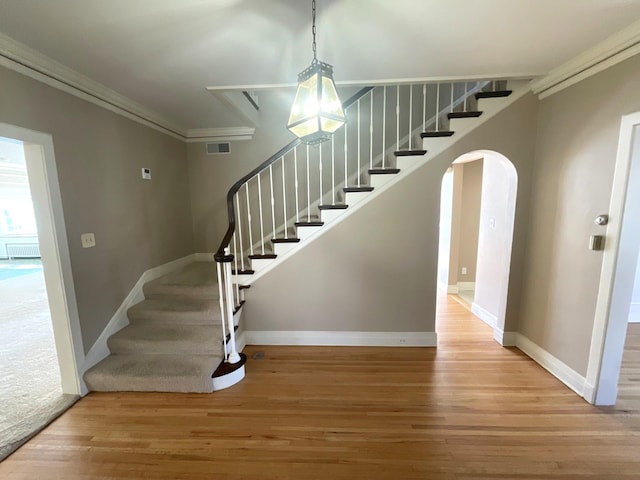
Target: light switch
{"x":146,"y":174}
{"x":88,"y":240}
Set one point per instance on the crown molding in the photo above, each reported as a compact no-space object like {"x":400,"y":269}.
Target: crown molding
{"x":196,"y":135}
{"x":615,"y":49}
{"x":18,"y":57}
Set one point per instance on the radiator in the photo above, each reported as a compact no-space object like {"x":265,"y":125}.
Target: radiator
{"x":23,"y":250}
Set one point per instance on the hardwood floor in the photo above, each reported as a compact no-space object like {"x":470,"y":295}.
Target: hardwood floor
{"x":468,"y":410}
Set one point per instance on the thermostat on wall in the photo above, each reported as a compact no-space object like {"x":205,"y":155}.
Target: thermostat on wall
{"x":146,"y":173}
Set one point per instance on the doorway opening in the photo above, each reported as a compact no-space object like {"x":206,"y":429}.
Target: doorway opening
{"x":616,"y":292}
{"x":477,"y":213}
{"x":42,"y":291}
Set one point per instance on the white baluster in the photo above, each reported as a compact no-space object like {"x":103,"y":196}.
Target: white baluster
{"x":261,"y":218}
{"x":246,"y":187}
{"x":333,"y":170}
{"x":358,"y":124}
{"x":452,"y":85}
{"x":345,"y":155}
{"x":236,"y":292}
{"x":234,"y":357}
{"x":320,"y":170}
{"x":239,"y":222}
{"x":371,"y":130}
{"x":273,"y":203}
{"x":410,"y":114}
{"x":308,"y":188}
{"x":223,"y":314}
{"x":284,"y":198}
{"x":384,"y":124}
{"x":465,"y":96}
{"x":398,"y":117}
{"x":424,"y":107}
{"x":295,"y":172}
{"x":438,"y":107}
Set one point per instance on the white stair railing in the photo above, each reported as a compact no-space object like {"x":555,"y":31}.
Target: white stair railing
{"x":416,"y":108}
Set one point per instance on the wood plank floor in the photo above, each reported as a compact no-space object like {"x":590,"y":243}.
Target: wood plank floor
{"x":468,"y":410}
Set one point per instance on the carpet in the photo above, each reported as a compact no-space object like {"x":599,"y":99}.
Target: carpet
{"x":30,"y":392}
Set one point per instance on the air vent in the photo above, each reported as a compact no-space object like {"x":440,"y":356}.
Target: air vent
{"x":218,"y":148}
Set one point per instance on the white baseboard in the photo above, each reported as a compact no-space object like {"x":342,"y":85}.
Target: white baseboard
{"x":556,"y":367}
{"x":634,"y":313}
{"x":99,"y":350}
{"x":452,"y":289}
{"x":360,"y":339}
{"x":485,"y":315}
{"x":466,"y":286}
{"x":506,"y":339}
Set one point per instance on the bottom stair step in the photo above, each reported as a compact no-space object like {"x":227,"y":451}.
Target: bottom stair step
{"x":153,"y":373}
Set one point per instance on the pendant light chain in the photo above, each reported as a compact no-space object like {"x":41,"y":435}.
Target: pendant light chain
{"x":313,"y":30}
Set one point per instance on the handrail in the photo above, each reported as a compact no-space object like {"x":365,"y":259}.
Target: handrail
{"x":220,"y":255}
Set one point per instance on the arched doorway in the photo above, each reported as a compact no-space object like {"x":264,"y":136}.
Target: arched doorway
{"x":476,"y":234}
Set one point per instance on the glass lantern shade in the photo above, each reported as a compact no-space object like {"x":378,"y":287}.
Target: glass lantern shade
{"x":317,"y":110}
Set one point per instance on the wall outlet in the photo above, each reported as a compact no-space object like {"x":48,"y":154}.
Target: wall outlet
{"x":88,"y":240}
{"x":464,"y":270}
{"x":146,"y":174}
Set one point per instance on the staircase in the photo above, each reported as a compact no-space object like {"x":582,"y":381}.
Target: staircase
{"x":182,"y":336}
{"x":174,"y":340}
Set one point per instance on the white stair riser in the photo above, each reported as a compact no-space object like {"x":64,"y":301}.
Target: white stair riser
{"x":406,"y":162}
{"x":330,"y":215}
{"x":351,"y":198}
{"x":228,"y":380}
{"x":260,"y":263}
{"x":306,"y":232}
{"x":282,"y":248}
{"x":376,"y":181}
{"x":241,"y":279}
{"x":462,"y":125}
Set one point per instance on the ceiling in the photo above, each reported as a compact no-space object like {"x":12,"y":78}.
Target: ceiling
{"x":164,"y":53}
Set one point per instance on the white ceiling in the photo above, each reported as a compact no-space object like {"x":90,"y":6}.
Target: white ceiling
{"x":164,"y":53}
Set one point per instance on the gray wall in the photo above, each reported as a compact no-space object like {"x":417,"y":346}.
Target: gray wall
{"x":377,"y":271}
{"x":576,"y":148}
{"x":499,"y":188}
{"x":138,"y":224}
{"x":469,"y":220}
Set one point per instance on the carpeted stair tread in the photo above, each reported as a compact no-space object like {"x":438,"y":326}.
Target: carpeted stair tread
{"x":153,"y":373}
{"x":166,"y":339}
{"x":175,"y":311}
{"x":196,"y":280}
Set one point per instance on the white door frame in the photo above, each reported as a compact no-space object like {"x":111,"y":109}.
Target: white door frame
{"x":52,"y":235}
{"x":610,"y":322}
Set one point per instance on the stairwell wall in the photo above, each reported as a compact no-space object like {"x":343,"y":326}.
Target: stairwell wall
{"x":576,"y":152}
{"x":378,"y":270}
{"x":138,"y":224}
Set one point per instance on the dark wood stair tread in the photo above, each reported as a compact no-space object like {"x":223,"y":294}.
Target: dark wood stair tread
{"x":309,"y":224}
{"x":244,"y":287}
{"x":337,"y":206}
{"x":463,"y":114}
{"x":225,"y":368}
{"x":246,"y":271}
{"x":357,"y":189}
{"x":496,"y":94}
{"x":285,"y":240}
{"x":409,"y":153}
{"x":383,"y":171}
{"x":441,"y":133}
{"x":265,"y":256}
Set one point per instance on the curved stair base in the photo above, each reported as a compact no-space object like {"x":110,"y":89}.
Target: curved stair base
{"x":228,"y":374}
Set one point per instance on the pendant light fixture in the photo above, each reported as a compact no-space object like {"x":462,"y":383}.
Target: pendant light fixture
{"x":317,"y":110}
